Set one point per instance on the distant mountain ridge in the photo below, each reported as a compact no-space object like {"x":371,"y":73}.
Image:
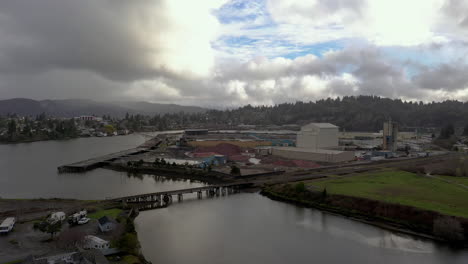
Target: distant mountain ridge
{"x":77,"y":107}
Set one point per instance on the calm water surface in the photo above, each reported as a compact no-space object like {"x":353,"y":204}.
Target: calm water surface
{"x":241,"y":228}
{"x":29,"y":170}
{"x":250,"y":228}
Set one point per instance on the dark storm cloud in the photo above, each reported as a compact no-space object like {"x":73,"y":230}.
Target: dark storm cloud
{"x":456,"y":11}
{"x":106,"y":49}
{"x":448,"y":77}
{"x":92,"y":35}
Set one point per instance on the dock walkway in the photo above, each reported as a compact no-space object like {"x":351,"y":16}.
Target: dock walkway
{"x":100,"y":161}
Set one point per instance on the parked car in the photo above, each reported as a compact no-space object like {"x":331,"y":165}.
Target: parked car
{"x":83,"y":221}
{"x":74,"y":218}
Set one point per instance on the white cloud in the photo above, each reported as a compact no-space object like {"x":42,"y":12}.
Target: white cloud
{"x":178,"y":51}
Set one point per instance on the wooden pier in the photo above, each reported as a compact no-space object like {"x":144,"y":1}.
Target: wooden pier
{"x":90,"y":164}
{"x":97,"y":162}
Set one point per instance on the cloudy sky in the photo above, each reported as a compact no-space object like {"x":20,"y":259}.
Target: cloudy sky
{"x":220,"y":53}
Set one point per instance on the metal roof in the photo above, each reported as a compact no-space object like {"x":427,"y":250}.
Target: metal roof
{"x":321,"y":125}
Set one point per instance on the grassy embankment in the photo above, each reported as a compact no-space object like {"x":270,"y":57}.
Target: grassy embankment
{"x":128,"y":240}
{"x":404,"y":201}
{"x":403,"y":188}
{"x":114,"y":213}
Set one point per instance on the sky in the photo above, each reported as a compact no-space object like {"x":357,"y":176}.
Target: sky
{"x":220,"y":53}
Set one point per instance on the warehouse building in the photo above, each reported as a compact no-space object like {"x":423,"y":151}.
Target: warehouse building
{"x":317,"y":136}
{"x":316,"y":142}
{"x":320,"y":155}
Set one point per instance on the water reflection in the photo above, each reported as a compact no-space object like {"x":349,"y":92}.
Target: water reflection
{"x":249,"y":228}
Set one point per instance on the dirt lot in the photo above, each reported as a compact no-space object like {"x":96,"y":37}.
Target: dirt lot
{"x":24,"y":240}
{"x":28,"y":210}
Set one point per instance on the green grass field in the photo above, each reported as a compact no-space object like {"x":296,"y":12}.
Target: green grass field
{"x":110,"y":212}
{"x":460,"y":180}
{"x":403,"y":188}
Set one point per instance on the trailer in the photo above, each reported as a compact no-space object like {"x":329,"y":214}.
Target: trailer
{"x":56,"y":217}
{"x":7,"y":225}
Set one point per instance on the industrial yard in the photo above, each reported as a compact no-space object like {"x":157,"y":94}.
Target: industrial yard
{"x":256,"y":152}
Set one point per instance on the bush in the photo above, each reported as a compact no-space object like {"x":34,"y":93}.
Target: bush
{"x":448,"y":228}
{"x":129,"y":226}
{"x":130,"y":259}
{"x":128,"y":243}
{"x":235,"y":170}
{"x":300,"y":187}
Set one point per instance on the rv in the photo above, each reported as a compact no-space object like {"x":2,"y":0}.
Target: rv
{"x":7,"y":225}
{"x":76,"y":217}
{"x":56,"y":217}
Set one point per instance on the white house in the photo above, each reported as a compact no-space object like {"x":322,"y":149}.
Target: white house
{"x":94,"y":242}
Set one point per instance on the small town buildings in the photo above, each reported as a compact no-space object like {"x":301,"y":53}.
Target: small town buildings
{"x":7,"y":225}
{"x":105,"y":224}
{"x":89,"y":118}
{"x":94,"y":242}
{"x":93,"y":256}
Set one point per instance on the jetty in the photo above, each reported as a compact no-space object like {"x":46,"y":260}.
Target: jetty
{"x":97,"y":162}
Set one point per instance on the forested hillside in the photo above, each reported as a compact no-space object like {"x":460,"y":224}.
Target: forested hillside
{"x":362,"y":113}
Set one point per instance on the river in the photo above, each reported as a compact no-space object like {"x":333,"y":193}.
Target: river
{"x":240,"y":228}
{"x":29,"y":170}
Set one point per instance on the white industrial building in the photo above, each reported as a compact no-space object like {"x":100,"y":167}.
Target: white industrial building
{"x":317,"y":136}
{"x":316,"y":142}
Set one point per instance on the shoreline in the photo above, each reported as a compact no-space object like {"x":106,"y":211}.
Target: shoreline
{"x":55,"y":139}
{"x":178,"y":173}
{"x":387,"y":224}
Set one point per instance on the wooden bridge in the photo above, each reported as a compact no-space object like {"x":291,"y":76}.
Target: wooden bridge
{"x":163,"y":199}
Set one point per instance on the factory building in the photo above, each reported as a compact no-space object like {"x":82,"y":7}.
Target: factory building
{"x":390,"y":136}
{"x":317,"y":136}
{"x":316,"y":142}
{"x":320,"y":155}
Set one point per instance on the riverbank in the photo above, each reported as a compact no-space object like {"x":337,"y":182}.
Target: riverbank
{"x":174,"y":172}
{"x":40,"y":139}
{"x":394,"y":217}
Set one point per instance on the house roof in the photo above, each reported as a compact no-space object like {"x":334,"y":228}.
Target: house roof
{"x":103,"y":220}
{"x":96,"y":239}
